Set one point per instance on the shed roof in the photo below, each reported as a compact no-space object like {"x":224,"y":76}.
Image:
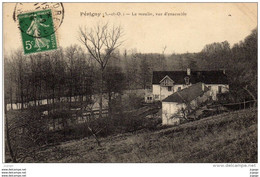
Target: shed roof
{"x":188,"y":94}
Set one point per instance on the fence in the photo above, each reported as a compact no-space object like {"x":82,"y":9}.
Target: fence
{"x":58,"y":123}
{"x":237,"y":106}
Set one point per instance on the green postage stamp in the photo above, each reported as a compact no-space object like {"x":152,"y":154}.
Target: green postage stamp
{"x":38,"y":32}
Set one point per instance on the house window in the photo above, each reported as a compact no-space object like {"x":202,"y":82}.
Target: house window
{"x":179,"y":88}
{"x":209,"y":87}
{"x":187,"y":80}
{"x":219,"y":89}
{"x":149,"y":98}
{"x":156,"y":96}
{"x":166,"y":82}
{"x":169,"y":88}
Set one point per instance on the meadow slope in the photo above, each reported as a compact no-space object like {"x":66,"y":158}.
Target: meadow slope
{"x":225,"y":138}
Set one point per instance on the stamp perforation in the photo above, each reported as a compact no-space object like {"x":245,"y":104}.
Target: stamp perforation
{"x":57,"y":15}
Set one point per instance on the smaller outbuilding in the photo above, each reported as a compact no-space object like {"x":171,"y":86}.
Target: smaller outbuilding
{"x":148,"y":96}
{"x":174,"y":107}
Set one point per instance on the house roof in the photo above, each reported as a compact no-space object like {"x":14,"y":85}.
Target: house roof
{"x":165,"y":78}
{"x":188,"y":94}
{"x":207,"y":77}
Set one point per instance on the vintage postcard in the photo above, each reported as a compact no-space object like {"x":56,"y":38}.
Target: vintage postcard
{"x":131,"y":83}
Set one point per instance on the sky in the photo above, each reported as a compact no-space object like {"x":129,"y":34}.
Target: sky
{"x":201,"y":24}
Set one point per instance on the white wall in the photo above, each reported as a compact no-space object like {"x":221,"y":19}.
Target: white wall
{"x":177,"y":86}
{"x":199,"y":100}
{"x":156,"y":91}
{"x":180,"y":85}
{"x":214,"y":89}
{"x":163,"y":92}
{"x":169,"y":113}
{"x":148,"y":98}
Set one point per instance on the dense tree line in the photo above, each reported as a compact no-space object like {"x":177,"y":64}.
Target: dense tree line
{"x":51,"y":76}
{"x":240,"y":63}
{"x":71,"y":72}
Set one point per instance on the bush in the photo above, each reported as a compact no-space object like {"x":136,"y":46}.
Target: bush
{"x":27,"y":132}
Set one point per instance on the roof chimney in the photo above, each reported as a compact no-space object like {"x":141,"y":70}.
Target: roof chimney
{"x":224,"y":71}
{"x":188,"y":71}
{"x":203,"y":87}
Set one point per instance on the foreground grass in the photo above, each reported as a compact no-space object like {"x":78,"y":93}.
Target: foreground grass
{"x":226,"y":138}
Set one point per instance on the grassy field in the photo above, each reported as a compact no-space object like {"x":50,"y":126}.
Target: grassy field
{"x":225,"y":138}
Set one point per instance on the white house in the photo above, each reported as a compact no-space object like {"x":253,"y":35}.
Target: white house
{"x":148,"y":96}
{"x":166,"y":83}
{"x":173,"y":106}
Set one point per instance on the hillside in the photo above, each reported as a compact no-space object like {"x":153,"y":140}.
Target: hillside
{"x":225,"y":138}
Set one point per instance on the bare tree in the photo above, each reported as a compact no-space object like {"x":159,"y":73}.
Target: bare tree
{"x":9,"y":76}
{"x":164,"y":48}
{"x":8,"y":141}
{"x":101,"y":42}
{"x":19,"y":62}
{"x":70,"y":54}
{"x":25,"y":134}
